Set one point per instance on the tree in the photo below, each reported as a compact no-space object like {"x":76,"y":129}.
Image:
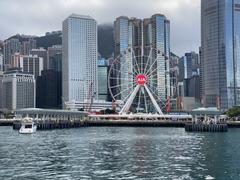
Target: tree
{"x":234,"y":111}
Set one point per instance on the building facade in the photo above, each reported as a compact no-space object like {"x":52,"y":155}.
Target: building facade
{"x":28,"y":45}
{"x":10,"y":47}
{"x":189,"y":65}
{"x":49,"y":90}
{"x":32,"y":64}
{"x":1,"y":90}
{"x":55,"y":58}
{"x":43,"y":53}
{"x":103,"y":79}
{"x":79,"y":63}
{"x":220,"y":53}
{"x":1,"y":62}
{"x":18,"y":90}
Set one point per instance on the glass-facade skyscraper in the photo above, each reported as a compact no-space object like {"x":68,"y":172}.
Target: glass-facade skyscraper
{"x":79,"y":63}
{"x":220,"y":52}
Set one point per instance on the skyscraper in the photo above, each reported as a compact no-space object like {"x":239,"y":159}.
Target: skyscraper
{"x":102,"y":79}
{"x":1,"y":62}
{"x":28,"y":45}
{"x":18,"y":90}
{"x":49,"y":89}
{"x":11,"y":46}
{"x":1,"y":89}
{"x":55,"y":57}
{"x":32,"y":65}
{"x":220,"y":52}
{"x":189,"y":66}
{"x":79,"y":63}
{"x":144,"y":35}
{"x":41,"y":52}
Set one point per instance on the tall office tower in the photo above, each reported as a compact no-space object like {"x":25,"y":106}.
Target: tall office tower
{"x":15,"y":60}
{"x":18,"y":90}
{"x":174,"y":75}
{"x":55,"y":57}
{"x":1,"y":88}
{"x":41,"y":52}
{"x":189,"y":65}
{"x":32,"y":64}
{"x":11,"y":46}
{"x":49,"y":90}
{"x":1,"y":62}
{"x":28,"y":45}
{"x":220,"y":52}
{"x":103,"y":79}
{"x":201,"y":76}
{"x":144,"y":35}
{"x":79,"y":63}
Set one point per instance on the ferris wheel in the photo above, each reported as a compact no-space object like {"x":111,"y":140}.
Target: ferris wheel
{"x":137,"y":81}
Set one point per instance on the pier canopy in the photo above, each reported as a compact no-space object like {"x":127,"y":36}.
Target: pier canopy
{"x":49,"y":114}
{"x":208,"y":111}
{"x":205,"y":114}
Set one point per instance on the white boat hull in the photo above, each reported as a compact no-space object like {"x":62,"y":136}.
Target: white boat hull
{"x":24,"y":130}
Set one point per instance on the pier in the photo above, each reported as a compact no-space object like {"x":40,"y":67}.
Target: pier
{"x":207,"y":120}
{"x":51,"y":118}
{"x":60,"y":119}
{"x":6,"y":122}
{"x":206,"y":127}
{"x":53,"y":124}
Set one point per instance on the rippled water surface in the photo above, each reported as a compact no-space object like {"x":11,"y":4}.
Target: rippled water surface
{"x":119,"y":153}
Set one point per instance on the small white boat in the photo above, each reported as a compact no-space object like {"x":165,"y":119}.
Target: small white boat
{"x":28,"y":126}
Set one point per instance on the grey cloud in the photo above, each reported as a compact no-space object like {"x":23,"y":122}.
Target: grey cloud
{"x":35,"y":17}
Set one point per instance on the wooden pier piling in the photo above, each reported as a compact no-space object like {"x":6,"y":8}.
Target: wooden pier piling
{"x":191,"y":127}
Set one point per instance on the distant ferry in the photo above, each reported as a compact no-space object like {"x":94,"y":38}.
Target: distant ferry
{"x":28,"y":126}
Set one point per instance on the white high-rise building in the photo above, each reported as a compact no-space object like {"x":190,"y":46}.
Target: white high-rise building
{"x":18,"y":90}
{"x":28,"y":63}
{"x":79,"y":63}
{"x":1,"y":62}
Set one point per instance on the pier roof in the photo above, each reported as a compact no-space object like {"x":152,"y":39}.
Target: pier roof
{"x":207,"y":111}
{"x":48,"y":111}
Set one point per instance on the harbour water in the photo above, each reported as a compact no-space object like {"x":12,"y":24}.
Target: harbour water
{"x":119,"y":153}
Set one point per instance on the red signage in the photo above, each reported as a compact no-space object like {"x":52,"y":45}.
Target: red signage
{"x":141,"y":79}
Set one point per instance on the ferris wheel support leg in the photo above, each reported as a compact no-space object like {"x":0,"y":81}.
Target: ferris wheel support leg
{"x":129,"y":102}
{"x":153,"y":101}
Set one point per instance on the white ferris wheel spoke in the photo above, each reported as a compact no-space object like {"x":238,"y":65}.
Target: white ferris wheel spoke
{"x":123,"y":91}
{"x":152,"y":65}
{"x":156,"y":96}
{"x":151,"y":72}
{"x":129,"y":94}
{"x":134,"y":57}
{"x":145,"y":102}
{"x":119,"y":72}
{"x":153,"y":100}
{"x":119,"y":85}
{"x":150,"y":54}
{"x":129,"y":102}
{"x":139,"y":99}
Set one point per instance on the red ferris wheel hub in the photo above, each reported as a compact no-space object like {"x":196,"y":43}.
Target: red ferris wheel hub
{"x":141,"y":79}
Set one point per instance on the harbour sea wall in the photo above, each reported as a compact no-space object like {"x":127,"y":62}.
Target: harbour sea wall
{"x":52,"y":124}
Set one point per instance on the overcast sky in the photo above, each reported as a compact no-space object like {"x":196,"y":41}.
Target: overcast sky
{"x":35,"y":17}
